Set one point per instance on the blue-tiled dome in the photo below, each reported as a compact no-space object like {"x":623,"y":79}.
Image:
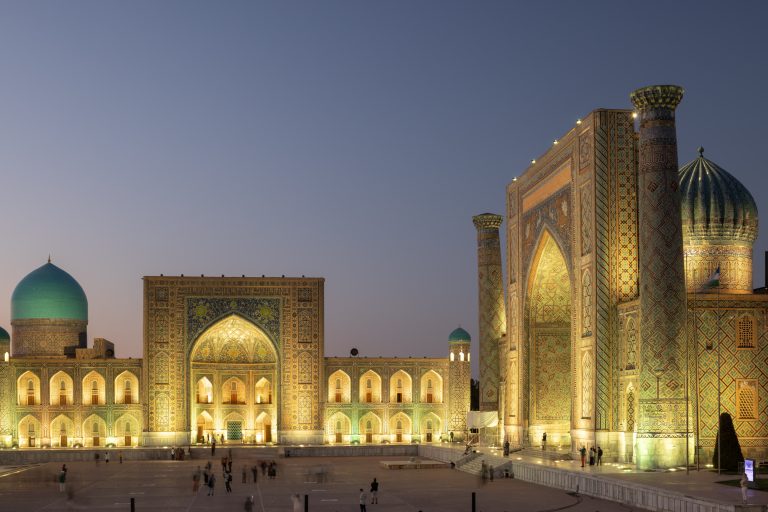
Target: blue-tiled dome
{"x":459,"y":334}
{"x":716,"y":207}
{"x":49,"y":292}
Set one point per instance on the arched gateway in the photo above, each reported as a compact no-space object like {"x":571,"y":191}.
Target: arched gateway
{"x":231,"y":362}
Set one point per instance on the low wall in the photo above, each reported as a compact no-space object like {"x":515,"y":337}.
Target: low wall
{"x":601,"y":486}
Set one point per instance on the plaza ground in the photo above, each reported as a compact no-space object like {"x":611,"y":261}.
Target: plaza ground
{"x":167,"y":486}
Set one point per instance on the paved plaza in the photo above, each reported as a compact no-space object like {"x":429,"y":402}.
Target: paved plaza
{"x":167,"y":486}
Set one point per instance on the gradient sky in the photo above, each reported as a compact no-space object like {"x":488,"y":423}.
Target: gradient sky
{"x":350,"y":140}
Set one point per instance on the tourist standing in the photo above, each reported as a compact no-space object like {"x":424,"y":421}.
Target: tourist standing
{"x":255,"y":471}
{"x":583,"y":452}
{"x":211,"y":484}
{"x":506,"y":448}
{"x":599,"y":456}
{"x":374,"y":492}
{"x":363,"y":500}
{"x":63,"y":478}
{"x":106,"y":457}
{"x":228,"y":482}
{"x":213,"y":447}
{"x":544,"y":442}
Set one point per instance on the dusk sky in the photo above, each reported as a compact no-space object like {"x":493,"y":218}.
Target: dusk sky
{"x":347,"y":140}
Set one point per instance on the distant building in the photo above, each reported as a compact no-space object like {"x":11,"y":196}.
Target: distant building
{"x":238,"y":360}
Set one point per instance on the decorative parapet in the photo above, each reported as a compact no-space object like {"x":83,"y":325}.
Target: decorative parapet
{"x":657,"y":96}
{"x":487,"y":221}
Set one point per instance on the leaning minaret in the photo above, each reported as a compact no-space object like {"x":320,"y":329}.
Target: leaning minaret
{"x":662,"y":407}
{"x":493,"y":320}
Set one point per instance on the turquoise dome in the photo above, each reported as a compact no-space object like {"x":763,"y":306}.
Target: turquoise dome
{"x":459,"y":334}
{"x":716,"y":207}
{"x":4,"y":336}
{"x":49,"y":292}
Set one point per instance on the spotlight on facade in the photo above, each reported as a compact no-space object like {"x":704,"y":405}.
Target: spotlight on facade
{"x":634,"y":115}
{"x":578,"y":121}
{"x":554,"y":142}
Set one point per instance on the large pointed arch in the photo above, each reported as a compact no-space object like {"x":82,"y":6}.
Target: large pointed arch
{"x":30,"y":431}
{"x":338,"y":428}
{"x":234,"y":371}
{"x":62,"y":431}
{"x":400,"y":428}
{"x":61,"y":387}
{"x":370,"y":428}
{"x":547,"y":341}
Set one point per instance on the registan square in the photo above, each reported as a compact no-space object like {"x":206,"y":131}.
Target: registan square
{"x":336,"y":256}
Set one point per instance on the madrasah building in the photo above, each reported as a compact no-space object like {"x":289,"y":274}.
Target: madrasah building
{"x":235,"y":359}
{"x":596,"y":328}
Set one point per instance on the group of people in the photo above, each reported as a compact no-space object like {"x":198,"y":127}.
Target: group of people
{"x":180,"y":453}
{"x":268,"y":469}
{"x":595,"y":456}
{"x":374,"y":495}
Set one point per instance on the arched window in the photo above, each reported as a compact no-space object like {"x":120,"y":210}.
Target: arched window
{"x":94,"y":393}
{"x":368,"y":391}
{"x":461,"y":356}
{"x":399,"y":396}
{"x":127,"y":393}
{"x":30,"y":394}
{"x":233,"y":392}
{"x":430,"y":395}
{"x":337,"y":395}
{"x":62,"y":393}
{"x":451,"y":356}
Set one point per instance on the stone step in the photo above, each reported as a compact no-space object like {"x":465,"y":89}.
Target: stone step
{"x":550,"y":454}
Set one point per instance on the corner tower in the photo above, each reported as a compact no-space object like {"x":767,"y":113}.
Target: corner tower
{"x":662,"y":441}
{"x":459,"y":375}
{"x":493,"y":320}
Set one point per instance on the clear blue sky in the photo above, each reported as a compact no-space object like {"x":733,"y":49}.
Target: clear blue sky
{"x":350,"y":140}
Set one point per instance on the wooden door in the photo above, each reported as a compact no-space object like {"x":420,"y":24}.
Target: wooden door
{"x":31,"y":442}
{"x":399,"y":437}
{"x":267,"y":433}
{"x":338,"y":437}
{"x":95,"y":441}
{"x":368,"y":437}
{"x":429,"y":437}
{"x":368,"y":397}
{"x":128,"y":441}
{"x":63,"y":441}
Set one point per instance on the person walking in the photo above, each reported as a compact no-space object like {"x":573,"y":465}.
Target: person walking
{"x":228,"y":482}
{"x":106,"y":457}
{"x":120,"y":454}
{"x":196,"y":481}
{"x":211,"y":484}
{"x":255,"y":471}
{"x":599,"y":456}
{"x":374,"y":492}
{"x":248,"y":504}
{"x":63,"y":478}
{"x":296,"y":502}
{"x":583,"y":452}
{"x":363,"y":500}
{"x":213,"y":447}
{"x":592,"y":455}
{"x":744,"y":482}
{"x":263,"y":468}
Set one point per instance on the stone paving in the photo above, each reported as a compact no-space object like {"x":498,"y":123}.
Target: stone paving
{"x":167,"y":486}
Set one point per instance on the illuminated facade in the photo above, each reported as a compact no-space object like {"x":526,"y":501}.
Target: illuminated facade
{"x":610,"y":338}
{"x":238,"y":360}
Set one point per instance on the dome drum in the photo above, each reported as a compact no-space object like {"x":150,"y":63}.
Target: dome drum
{"x":47,"y":337}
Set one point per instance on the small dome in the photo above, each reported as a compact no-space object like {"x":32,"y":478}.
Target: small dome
{"x":715,"y":206}
{"x":459,"y":334}
{"x":4,"y":336}
{"x":49,"y":292}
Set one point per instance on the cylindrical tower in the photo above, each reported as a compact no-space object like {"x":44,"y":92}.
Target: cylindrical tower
{"x":662,"y":408}
{"x":459,"y":385}
{"x":493,"y":321}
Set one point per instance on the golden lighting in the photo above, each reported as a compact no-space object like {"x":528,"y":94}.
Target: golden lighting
{"x":578,"y":121}
{"x":634,"y":115}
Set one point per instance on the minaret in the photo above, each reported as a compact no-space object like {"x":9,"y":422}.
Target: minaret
{"x":459,"y":385}
{"x":493,"y":320}
{"x":662,"y":406}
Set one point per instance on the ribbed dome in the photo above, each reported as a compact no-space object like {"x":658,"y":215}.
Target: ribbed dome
{"x":49,"y":292}
{"x":4,"y":336}
{"x":716,"y":207}
{"x":459,"y":334}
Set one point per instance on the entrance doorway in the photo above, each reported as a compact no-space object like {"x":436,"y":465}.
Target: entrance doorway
{"x":234,"y":431}
{"x":548,"y":339}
